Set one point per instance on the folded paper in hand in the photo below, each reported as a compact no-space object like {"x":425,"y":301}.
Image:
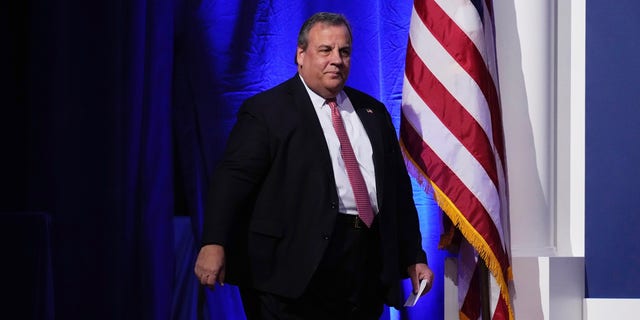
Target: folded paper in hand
{"x":413,"y":298}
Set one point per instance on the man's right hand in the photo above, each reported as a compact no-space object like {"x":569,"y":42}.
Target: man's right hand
{"x":210,"y":265}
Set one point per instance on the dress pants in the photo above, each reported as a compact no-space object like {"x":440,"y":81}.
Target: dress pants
{"x":345,"y":285}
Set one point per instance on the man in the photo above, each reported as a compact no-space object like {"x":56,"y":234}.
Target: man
{"x":282,"y":220}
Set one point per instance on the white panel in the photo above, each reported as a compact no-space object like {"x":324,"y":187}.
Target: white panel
{"x":566,"y":288}
{"x":577,"y":145}
{"x":570,"y":128}
{"x":524,"y":40}
{"x":531,"y":299}
{"x":451,"y":288}
{"x":548,"y":288}
{"x":608,"y":309}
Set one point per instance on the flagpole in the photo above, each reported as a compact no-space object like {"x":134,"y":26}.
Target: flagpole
{"x":484,"y":290}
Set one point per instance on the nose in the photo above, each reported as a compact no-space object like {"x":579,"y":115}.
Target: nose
{"x":335,"y":57}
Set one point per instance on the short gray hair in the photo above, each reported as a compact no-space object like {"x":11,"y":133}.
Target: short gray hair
{"x":329,"y":18}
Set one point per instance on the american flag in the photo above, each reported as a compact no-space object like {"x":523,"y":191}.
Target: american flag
{"x":452,"y":138}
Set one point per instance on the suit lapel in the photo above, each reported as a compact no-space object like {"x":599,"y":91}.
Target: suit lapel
{"x":310,"y":120}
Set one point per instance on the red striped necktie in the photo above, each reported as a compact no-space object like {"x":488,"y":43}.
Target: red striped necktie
{"x":361,"y":195}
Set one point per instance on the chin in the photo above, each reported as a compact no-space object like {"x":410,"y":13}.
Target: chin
{"x":335,"y":84}
{"x":333,"y":89}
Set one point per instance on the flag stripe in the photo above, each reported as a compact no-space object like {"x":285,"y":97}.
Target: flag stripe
{"x":448,"y":72}
{"x":501,"y":312}
{"x":449,"y":150}
{"x":463,"y":50}
{"x":471,"y":306}
{"x":448,"y":182}
{"x":452,"y":114}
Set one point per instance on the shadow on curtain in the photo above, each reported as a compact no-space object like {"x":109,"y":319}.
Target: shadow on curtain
{"x":88,"y":129}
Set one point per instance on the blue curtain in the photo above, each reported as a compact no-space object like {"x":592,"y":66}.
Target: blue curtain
{"x":90,"y":102}
{"x":118,"y":111}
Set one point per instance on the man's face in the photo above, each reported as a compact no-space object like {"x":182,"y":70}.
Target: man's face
{"x":325,"y":64}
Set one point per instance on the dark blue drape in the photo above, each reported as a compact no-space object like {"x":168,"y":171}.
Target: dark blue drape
{"x":90,"y":87}
{"x":117,"y":114}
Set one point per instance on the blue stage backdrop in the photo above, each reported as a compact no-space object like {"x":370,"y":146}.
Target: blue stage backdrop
{"x":118,"y":111}
{"x":230,"y":50}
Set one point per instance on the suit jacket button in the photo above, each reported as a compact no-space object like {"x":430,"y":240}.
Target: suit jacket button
{"x":325,"y":236}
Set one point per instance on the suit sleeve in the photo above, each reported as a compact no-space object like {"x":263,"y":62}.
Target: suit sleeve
{"x":237,"y":177}
{"x":410,"y":238}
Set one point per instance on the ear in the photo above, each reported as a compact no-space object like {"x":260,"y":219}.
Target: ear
{"x":299,"y":56}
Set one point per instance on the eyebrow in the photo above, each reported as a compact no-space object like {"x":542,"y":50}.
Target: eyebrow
{"x":348,"y":46}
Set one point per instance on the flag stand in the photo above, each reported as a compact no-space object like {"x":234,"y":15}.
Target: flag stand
{"x":485,"y":308}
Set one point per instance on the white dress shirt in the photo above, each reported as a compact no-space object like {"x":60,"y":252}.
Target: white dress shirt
{"x":359,"y":142}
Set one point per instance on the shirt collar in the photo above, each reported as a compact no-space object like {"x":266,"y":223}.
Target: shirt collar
{"x":318,"y":101}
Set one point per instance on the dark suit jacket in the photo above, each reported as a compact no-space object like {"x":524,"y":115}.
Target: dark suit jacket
{"x":273,"y":201}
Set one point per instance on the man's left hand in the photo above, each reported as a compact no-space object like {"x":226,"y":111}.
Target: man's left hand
{"x":420,"y":271}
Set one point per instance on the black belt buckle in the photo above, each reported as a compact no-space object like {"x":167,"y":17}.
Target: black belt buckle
{"x":357,"y":223}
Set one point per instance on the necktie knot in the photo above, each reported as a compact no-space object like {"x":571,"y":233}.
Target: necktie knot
{"x":332,"y":102}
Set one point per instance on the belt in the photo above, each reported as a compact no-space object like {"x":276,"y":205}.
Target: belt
{"x":351,"y":220}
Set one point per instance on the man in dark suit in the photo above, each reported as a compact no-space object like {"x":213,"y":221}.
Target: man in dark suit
{"x":311,"y":211}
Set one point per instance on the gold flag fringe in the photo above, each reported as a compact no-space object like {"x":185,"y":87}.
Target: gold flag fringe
{"x":465,"y":227}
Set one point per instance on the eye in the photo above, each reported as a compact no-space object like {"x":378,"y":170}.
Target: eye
{"x":345,"y":52}
{"x":325,"y":50}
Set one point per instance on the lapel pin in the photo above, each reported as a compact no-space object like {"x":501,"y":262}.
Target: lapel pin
{"x":369,"y":110}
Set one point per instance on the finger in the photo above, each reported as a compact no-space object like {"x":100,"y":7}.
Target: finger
{"x":415,"y":283}
{"x":210,"y":283}
{"x":427,"y":287}
{"x":428,"y":277}
{"x":221,"y":277}
{"x":208,"y":279}
{"x":201,"y":271}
